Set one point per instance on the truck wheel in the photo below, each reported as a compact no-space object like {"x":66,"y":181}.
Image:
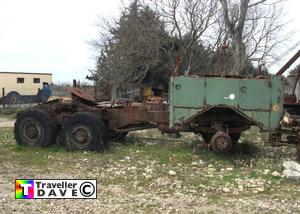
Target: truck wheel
{"x":12,"y":97}
{"x":35,"y":128}
{"x":221,"y":141}
{"x":83,"y":131}
{"x":117,"y":136}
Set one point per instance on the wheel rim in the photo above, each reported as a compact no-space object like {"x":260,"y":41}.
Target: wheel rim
{"x":80,"y":136}
{"x":221,"y":142}
{"x":31,"y":130}
{"x":13,"y":99}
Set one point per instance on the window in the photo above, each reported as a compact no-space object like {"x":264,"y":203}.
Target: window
{"x":20,"y":80}
{"x":36,"y":80}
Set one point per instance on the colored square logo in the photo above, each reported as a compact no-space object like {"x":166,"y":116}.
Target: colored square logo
{"x":24,"y":189}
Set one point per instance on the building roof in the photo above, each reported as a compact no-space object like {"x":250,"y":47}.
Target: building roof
{"x":7,"y":72}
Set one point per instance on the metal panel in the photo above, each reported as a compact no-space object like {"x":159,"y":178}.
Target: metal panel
{"x":220,"y":92}
{"x":254,"y":94}
{"x":260,"y":99}
{"x":277,"y":102}
{"x":189,"y":92}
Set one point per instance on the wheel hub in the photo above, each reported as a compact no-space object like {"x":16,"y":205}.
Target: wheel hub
{"x":81,"y":136}
{"x":31,"y":131}
{"x":221,"y":141}
{"x":13,"y":99}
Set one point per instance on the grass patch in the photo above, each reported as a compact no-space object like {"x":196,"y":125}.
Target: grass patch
{"x":6,"y":136}
{"x":151,"y":162}
{"x":164,"y":153}
{"x":253,"y":174}
{"x":168,"y":154}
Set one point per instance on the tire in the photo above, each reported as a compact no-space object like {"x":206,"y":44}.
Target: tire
{"x":84,"y":131}
{"x":221,"y":142}
{"x":35,"y":128}
{"x":117,"y":136}
{"x":235,"y":137}
{"x":12,"y":97}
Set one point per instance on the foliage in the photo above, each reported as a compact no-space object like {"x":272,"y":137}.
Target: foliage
{"x":134,"y":48}
{"x":145,"y":43}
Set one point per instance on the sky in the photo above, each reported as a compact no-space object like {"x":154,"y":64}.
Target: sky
{"x":52,"y":36}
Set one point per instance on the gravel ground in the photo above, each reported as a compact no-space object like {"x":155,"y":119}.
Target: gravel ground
{"x":6,"y":122}
{"x":147,"y":177}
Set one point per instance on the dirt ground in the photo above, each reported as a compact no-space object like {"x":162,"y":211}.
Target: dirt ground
{"x":154,"y":176}
{"x":6,"y":122}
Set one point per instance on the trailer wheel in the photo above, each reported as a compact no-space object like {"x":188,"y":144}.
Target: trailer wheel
{"x":35,"y":128}
{"x":221,"y":141}
{"x":83,"y":131}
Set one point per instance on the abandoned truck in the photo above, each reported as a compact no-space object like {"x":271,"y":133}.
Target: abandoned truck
{"x":218,"y":108}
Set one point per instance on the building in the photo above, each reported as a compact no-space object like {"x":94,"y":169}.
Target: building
{"x":19,"y":87}
{"x":23,"y":83}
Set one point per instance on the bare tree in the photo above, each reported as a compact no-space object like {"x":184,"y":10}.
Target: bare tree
{"x":253,"y":27}
{"x":187,"y":20}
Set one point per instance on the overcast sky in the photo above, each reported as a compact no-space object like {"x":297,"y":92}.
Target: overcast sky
{"x":52,"y":36}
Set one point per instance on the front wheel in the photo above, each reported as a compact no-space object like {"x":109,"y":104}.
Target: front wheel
{"x":84,"y":131}
{"x":35,"y":128}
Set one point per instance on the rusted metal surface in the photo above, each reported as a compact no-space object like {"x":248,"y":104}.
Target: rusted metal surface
{"x":224,"y":47}
{"x":234,"y":115}
{"x":290,"y":99}
{"x":119,"y":116}
{"x":177,"y":65}
{"x":122,"y":118}
{"x":77,"y":93}
{"x":221,"y":141}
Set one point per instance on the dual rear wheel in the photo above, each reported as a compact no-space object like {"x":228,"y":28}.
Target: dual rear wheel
{"x":82,"y":131}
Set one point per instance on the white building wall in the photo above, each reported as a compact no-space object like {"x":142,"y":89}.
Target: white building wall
{"x":8,"y":81}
